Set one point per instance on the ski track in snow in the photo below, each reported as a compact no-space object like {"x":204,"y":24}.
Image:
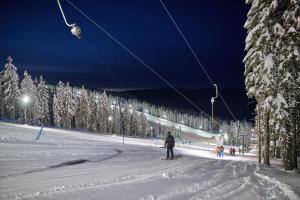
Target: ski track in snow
{"x":71,"y":165}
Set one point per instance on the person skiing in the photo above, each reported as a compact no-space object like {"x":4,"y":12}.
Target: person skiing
{"x":170,"y":143}
{"x":218,"y":151}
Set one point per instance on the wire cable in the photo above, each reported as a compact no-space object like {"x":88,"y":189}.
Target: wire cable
{"x":136,"y":57}
{"x":63,"y":14}
{"x":195,"y":55}
{"x":101,"y":61}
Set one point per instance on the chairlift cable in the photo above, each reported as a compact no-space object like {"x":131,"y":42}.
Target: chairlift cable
{"x":137,"y":58}
{"x":195,"y":56}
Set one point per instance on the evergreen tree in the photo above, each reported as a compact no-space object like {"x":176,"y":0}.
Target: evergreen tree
{"x":82,"y":116}
{"x":288,"y":70}
{"x":125,"y":119}
{"x":94,"y":107}
{"x":10,"y":90}
{"x":271,"y":63}
{"x":56,"y":112}
{"x":65,"y":104}
{"x":143,"y":124}
{"x":28,"y":88}
{"x":134,"y":120}
{"x":104,"y":112}
{"x":43,"y":99}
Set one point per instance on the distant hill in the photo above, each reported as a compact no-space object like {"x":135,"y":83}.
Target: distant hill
{"x":236,"y":99}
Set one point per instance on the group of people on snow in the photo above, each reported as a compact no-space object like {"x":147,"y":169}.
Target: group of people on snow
{"x":170,"y":143}
{"x":220,"y":151}
{"x":232,"y":151}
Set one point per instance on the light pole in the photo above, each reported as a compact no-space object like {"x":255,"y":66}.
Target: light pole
{"x":212,"y":106}
{"x":110,"y":118}
{"x":202,"y":120}
{"x":25,"y":100}
{"x":179,"y":135}
{"x":243,"y":148}
{"x":226,"y":137}
{"x":212,"y":113}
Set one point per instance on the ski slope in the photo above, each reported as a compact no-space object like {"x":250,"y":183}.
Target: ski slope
{"x":183,"y":128}
{"x":75,"y":165}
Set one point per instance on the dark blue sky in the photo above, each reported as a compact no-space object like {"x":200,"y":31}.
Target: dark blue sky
{"x":34,"y":34}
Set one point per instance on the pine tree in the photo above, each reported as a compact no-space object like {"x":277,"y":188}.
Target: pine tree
{"x":69,"y":106}
{"x":94,"y":106}
{"x":116,"y":122}
{"x":82,"y":116}
{"x":56,"y":112}
{"x":10,"y":90}
{"x":288,"y":70}
{"x":65,"y":104}
{"x":1,"y":95}
{"x":28,"y":88}
{"x":125,"y":119}
{"x":143,"y":124}
{"x":104,"y":112}
{"x":134,"y":119}
{"x":43,"y":99}
{"x":271,"y":63}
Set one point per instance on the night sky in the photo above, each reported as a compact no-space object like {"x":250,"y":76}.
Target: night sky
{"x":34,"y":34}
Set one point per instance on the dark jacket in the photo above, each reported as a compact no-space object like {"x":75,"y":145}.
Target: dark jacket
{"x":170,"y":141}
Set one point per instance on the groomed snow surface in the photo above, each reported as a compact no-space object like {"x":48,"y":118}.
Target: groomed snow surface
{"x":75,"y":165}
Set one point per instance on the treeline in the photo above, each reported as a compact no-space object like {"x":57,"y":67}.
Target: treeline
{"x":272,"y":77}
{"x":79,"y":108}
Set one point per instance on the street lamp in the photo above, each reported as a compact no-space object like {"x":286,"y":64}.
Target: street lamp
{"x":212,"y":106}
{"x":243,"y":148}
{"x":212,"y":111}
{"x":97,"y":99}
{"x":25,"y":100}
{"x":226,"y":137}
{"x":110,"y":118}
{"x":202,"y":119}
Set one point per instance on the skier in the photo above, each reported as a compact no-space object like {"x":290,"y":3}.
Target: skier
{"x":233,"y":151}
{"x":170,"y":143}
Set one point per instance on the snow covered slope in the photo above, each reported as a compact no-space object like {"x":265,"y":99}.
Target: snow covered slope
{"x":75,"y":165}
{"x":183,"y":128}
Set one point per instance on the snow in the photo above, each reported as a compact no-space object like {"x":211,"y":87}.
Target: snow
{"x":269,"y":63}
{"x":284,"y":187}
{"x":278,"y":30}
{"x":183,"y":128}
{"x":274,"y":4}
{"x":292,"y":30}
{"x":75,"y":165}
